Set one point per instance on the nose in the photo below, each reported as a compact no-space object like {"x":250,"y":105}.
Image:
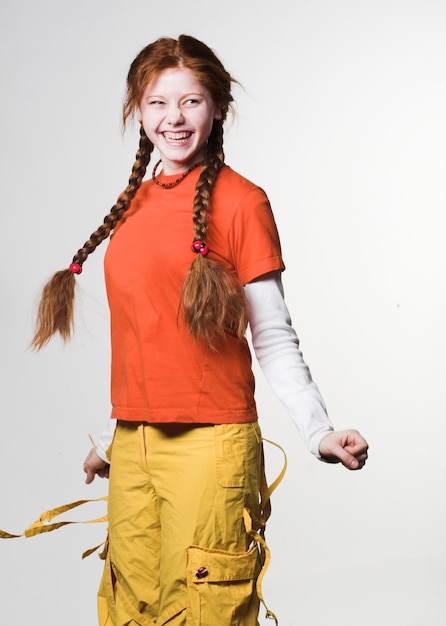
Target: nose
{"x":175,"y":115}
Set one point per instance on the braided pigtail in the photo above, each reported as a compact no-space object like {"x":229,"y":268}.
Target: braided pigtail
{"x":56,"y":308}
{"x":213,"y":301}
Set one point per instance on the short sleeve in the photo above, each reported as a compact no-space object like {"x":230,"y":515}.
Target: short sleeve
{"x":254,"y":238}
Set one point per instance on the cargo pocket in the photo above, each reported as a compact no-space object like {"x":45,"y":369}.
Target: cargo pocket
{"x":222,"y":587}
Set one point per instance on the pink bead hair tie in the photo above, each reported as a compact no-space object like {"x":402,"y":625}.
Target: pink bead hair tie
{"x":199,"y":247}
{"x":76,"y":268}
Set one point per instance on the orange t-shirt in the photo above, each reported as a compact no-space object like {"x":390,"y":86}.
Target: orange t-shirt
{"x":160,"y":373}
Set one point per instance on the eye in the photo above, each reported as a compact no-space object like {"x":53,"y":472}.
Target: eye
{"x":191,"y":101}
{"x":155,"y":102}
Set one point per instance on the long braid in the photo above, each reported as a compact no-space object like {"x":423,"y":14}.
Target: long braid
{"x":213,"y":301}
{"x":208,"y":176}
{"x":56,"y":308}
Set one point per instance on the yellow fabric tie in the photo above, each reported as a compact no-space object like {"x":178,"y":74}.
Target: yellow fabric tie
{"x":265,"y":508}
{"x":44,"y":525}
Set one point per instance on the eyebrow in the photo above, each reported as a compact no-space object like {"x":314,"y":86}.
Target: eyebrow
{"x":186,"y":95}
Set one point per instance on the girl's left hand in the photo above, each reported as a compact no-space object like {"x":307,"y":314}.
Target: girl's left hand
{"x":93,"y":465}
{"x":345,"y":446}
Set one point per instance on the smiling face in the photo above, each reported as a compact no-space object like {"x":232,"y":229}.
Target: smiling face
{"x":177,"y":113}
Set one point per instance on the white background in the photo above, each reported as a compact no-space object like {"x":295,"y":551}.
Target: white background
{"x":342,"y":120}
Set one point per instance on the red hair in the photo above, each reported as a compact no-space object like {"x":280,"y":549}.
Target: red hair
{"x":167,"y":53}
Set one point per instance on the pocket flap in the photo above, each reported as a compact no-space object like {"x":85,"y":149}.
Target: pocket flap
{"x":212,"y":566}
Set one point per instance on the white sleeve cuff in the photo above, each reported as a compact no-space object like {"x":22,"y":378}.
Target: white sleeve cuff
{"x":105,"y":440}
{"x":276,"y":347}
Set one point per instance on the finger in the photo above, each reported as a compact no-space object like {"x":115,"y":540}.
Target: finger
{"x":352,"y":463}
{"x":361,"y":461}
{"x":90,"y":474}
{"x":362,"y":457}
{"x":354,"y":441}
{"x":360,"y":454}
{"x":356,"y":446}
{"x":347,"y":459}
{"x":352,"y":460}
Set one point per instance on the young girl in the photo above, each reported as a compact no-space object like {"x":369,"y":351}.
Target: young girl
{"x":194,"y":257}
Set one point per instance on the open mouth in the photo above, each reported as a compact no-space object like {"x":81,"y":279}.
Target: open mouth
{"x":183,"y":136}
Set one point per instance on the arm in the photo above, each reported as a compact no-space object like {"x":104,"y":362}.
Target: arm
{"x":276,"y":347}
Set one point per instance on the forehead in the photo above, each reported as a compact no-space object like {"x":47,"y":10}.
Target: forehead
{"x":175,"y":80}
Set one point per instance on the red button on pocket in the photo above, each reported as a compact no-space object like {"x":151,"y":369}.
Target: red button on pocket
{"x":201,"y":572}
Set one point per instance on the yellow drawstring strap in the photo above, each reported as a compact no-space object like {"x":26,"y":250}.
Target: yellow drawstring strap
{"x":265,"y":510}
{"x":44,"y":525}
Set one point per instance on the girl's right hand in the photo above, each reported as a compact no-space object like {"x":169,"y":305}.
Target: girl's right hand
{"x":93,"y":465}
{"x":347,"y":447}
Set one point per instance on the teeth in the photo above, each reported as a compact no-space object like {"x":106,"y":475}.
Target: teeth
{"x":177,"y":136}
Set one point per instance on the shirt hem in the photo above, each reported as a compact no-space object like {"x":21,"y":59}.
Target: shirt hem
{"x":226,"y":417}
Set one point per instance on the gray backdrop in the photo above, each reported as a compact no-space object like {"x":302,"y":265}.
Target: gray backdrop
{"x":341,"y":118}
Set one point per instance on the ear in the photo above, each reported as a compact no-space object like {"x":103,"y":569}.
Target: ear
{"x":138,"y":115}
{"x":218,"y":114}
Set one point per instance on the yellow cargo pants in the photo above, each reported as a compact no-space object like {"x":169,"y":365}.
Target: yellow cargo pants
{"x":182,"y":500}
